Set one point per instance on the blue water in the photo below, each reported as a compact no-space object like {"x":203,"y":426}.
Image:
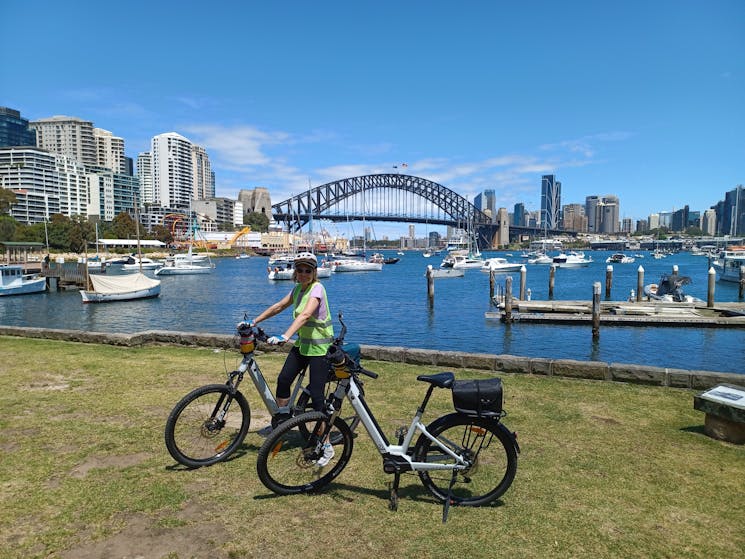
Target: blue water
{"x":391,"y":308}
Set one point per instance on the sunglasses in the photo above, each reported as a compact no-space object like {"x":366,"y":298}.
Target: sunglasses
{"x":304,"y":270}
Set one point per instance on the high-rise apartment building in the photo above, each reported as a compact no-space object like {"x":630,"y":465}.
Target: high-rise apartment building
{"x":603,"y":214}
{"x":109,"y":151}
{"x":550,"y":202}
{"x":145,"y":176}
{"x":14,"y":130}
{"x":68,"y":136}
{"x":173,"y":170}
{"x":204,"y":179}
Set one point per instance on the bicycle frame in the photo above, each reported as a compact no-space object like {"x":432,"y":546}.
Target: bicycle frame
{"x":348,"y":387}
{"x":249,"y":364}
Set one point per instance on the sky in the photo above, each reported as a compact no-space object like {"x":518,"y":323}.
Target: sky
{"x":644,"y":100}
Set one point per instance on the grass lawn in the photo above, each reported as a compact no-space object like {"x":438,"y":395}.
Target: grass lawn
{"x":606,"y":470}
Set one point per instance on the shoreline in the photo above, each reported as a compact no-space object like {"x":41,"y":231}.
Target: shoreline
{"x":565,"y":368}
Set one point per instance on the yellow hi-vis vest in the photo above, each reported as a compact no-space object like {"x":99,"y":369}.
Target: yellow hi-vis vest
{"x":315,"y":336}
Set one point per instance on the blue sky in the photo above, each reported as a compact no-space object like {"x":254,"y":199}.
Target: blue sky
{"x":641,"y":99}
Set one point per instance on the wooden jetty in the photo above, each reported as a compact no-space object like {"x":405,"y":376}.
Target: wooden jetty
{"x":626,"y":313}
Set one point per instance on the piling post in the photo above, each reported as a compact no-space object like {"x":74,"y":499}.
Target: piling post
{"x":491,"y":283}
{"x":675,"y":271}
{"x":508,"y":299}
{"x":639,"y":282}
{"x":551,"y":280}
{"x":430,"y":285}
{"x":523,"y":282}
{"x":741,"y":292}
{"x":710,"y":290}
{"x":608,"y":280}
{"x":596,"y":310}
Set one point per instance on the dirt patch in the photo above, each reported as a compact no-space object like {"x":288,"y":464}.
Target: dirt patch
{"x":81,"y":470}
{"x":184,"y":535}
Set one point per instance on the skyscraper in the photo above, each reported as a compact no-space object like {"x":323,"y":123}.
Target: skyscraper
{"x":14,"y":130}
{"x":550,"y":202}
{"x":110,"y":151}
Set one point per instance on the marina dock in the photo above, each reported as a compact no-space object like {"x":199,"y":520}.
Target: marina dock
{"x":626,"y":313}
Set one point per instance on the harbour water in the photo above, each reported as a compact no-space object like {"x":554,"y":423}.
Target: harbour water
{"x":391,"y":308}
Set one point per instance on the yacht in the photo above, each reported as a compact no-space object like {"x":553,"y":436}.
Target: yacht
{"x":620,"y":258}
{"x":572,"y":259}
{"x":499,"y":264}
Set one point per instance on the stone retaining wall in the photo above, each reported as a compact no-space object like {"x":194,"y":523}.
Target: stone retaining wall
{"x":567,"y":368}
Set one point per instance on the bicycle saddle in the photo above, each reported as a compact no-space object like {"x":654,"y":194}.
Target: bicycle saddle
{"x":441,"y":380}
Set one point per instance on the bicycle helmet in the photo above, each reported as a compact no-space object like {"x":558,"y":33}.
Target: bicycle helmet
{"x":306,"y":258}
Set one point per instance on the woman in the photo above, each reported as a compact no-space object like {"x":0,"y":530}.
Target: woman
{"x":312,"y":323}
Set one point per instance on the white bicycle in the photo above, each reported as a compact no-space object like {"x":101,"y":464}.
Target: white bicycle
{"x":210,"y":423}
{"x":464,"y":458}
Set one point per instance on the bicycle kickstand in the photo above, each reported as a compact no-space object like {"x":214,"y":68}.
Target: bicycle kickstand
{"x":449,"y":499}
{"x":393,"y":499}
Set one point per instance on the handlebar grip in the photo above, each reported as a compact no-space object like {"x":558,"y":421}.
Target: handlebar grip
{"x":368,"y":373}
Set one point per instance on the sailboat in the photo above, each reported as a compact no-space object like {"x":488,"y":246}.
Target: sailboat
{"x":106,"y":289}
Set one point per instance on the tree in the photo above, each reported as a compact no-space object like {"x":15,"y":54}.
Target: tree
{"x":8,"y":227}
{"x":59,"y":231}
{"x":163,"y":234}
{"x":123,"y":227}
{"x":7,"y":199}
{"x":257,"y":221}
{"x":81,"y":232}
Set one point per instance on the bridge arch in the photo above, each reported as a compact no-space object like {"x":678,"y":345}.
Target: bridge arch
{"x":318,"y":202}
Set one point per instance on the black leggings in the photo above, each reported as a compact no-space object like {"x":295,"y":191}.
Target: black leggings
{"x":319,"y":374}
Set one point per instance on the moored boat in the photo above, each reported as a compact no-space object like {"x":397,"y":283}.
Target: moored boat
{"x":498,"y":264}
{"x":572,"y":259}
{"x":13,"y":281}
{"x":620,"y":258}
{"x":670,"y":289}
{"x":729,"y":262}
{"x":105,"y":289}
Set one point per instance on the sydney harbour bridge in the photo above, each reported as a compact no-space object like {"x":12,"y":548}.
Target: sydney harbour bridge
{"x":392,"y":197}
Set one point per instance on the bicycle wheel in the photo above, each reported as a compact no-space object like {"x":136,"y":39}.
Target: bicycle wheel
{"x":207,"y":426}
{"x":287,"y":462}
{"x":485,"y":443}
{"x":304,"y":404}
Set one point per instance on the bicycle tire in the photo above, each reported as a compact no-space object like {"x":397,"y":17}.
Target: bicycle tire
{"x":304,"y":404}
{"x":286,"y":462}
{"x":494,"y":466}
{"x":194,"y":438}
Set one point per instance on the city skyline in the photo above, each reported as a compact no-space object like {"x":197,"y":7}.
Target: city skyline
{"x":642,"y":102}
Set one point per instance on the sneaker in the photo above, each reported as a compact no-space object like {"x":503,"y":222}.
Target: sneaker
{"x":266,"y":431}
{"x":328,"y":454}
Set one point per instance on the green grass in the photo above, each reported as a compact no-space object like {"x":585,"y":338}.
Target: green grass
{"x":606,"y":470}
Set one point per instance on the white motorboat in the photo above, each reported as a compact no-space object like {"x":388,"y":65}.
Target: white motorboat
{"x":284,"y":270}
{"x":572,"y":259}
{"x":439,"y":273}
{"x":620,"y":258}
{"x":189,"y":263}
{"x":107,"y":288}
{"x":140,"y":263}
{"x":729,"y":262}
{"x":13,"y":281}
{"x":356,"y":265}
{"x":462,"y":259}
{"x":540,"y":258}
{"x":498,"y":265}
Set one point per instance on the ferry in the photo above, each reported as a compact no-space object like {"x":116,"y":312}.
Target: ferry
{"x":729,"y":262}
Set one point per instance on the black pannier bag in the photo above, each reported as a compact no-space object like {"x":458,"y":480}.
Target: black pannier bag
{"x":480,"y":398}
